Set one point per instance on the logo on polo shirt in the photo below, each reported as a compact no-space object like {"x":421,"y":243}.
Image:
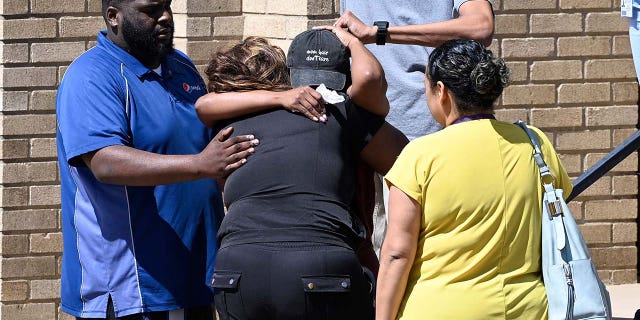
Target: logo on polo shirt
{"x":189,"y":88}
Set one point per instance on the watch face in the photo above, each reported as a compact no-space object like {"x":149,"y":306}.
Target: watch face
{"x":381,"y":24}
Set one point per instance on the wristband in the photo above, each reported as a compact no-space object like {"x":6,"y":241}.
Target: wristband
{"x":381,"y":34}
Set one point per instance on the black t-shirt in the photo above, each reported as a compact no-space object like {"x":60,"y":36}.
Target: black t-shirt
{"x":299,"y":184}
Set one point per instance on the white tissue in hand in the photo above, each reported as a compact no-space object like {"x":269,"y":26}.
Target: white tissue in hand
{"x":329,"y":96}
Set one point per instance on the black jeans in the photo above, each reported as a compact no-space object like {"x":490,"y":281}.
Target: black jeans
{"x":290,"y":280}
{"x":194,"y":313}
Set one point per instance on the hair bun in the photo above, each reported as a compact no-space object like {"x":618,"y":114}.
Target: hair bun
{"x":489,"y":75}
{"x":471,"y":72}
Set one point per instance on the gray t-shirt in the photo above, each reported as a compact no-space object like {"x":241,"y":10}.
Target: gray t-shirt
{"x":404,"y":65}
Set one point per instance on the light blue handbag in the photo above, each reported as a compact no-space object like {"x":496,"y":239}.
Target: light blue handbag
{"x":574,"y":290}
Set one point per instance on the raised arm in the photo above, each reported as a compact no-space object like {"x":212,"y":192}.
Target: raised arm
{"x":368,"y":85}
{"x":475,"y":21}
{"x":213,"y":107}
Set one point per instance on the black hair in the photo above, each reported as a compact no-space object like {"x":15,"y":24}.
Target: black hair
{"x":471,"y":72}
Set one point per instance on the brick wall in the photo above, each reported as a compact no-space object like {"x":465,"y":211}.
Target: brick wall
{"x":39,"y":38}
{"x":281,"y":21}
{"x":572,"y":76}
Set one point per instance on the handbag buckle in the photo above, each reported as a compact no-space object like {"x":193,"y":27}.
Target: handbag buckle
{"x":555,"y":208}
{"x":553,"y":203}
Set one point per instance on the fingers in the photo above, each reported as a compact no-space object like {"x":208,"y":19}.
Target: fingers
{"x":343,"y":20}
{"x":231,"y":167}
{"x":315,"y":94}
{"x":223,"y":134}
{"x":308,"y":111}
{"x":342,"y":34}
{"x":314,"y":102}
{"x":240,"y":143}
{"x":236,"y":160}
{"x":238,"y":152}
{"x":308,"y":102}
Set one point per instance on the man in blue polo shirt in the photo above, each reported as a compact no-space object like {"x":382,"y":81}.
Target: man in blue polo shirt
{"x":140,"y":205}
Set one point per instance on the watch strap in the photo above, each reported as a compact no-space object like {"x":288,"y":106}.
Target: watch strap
{"x":383,"y":30}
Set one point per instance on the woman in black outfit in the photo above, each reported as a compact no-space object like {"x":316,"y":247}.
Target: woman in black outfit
{"x":289,"y":238}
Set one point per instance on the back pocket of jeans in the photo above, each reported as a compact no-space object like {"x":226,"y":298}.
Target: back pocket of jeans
{"x":225,"y":280}
{"x":326,"y":296}
{"x":227,"y":297}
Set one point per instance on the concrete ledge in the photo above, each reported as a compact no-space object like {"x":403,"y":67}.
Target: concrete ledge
{"x":625,"y":300}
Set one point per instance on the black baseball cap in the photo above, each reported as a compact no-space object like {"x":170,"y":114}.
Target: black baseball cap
{"x":317,"y":56}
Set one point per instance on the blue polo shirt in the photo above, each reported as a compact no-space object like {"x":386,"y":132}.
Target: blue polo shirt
{"x":149,"y":248}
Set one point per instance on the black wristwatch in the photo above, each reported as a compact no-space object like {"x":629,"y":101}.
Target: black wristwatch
{"x":381,"y":34}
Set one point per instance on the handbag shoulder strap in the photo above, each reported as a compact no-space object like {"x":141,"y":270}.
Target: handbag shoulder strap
{"x":545,"y":172}
{"x":555,"y":207}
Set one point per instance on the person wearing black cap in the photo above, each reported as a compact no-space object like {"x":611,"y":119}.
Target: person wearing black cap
{"x":288,"y":240}
{"x":364,"y":80}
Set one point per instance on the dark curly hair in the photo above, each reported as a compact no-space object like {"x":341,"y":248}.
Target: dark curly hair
{"x":471,"y":72}
{"x":253,"y":64}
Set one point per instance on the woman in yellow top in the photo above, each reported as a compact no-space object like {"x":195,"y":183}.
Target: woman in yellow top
{"x":465,"y":215}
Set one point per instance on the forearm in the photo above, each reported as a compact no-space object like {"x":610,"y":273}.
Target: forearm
{"x":213,"y":107}
{"x":369,"y":86}
{"x":124,"y":165}
{"x":393,"y":275}
{"x":475,"y":22}
{"x":128,"y":166}
{"x":434,"y":34}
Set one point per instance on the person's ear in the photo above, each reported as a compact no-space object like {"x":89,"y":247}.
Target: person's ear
{"x":442,"y":93}
{"x":112,"y":17}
